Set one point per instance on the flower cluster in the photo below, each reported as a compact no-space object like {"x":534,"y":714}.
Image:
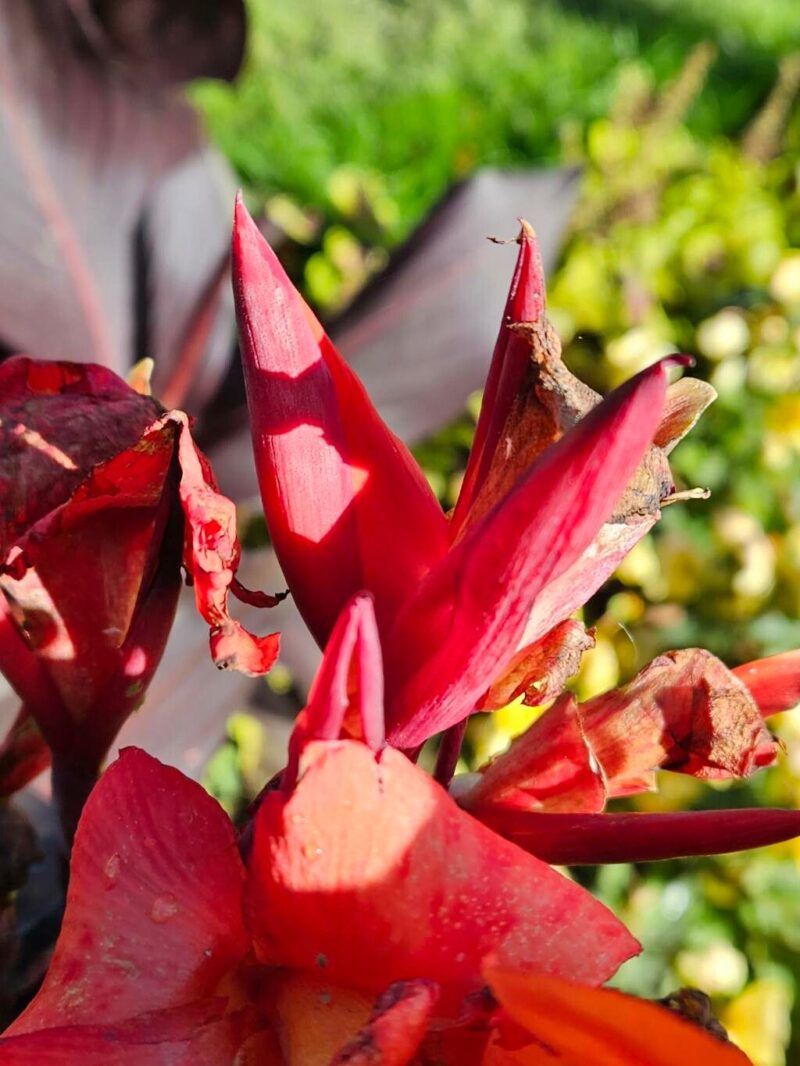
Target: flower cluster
{"x":367,"y":912}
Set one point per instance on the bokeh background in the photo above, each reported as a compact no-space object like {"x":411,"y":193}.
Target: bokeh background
{"x":348,"y":123}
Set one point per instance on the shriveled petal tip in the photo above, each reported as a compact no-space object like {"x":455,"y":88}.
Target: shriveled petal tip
{"x":581,"y":1026}
{"x":469,"y":615}
{"x":346,"y":504}
{"x":211,"y":558}
{"x":509,"y":366}
{"x":331,"y":861}
{"x":346,"y":698}
{"x":774,"y":682}
{"x":396,"y":1029}
{"x":575,"y":839}
{"x":200,"y":1034}
{"x":154,"y":907}
{"x":685,"y":711}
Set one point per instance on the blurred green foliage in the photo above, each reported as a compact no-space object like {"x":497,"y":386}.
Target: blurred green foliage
{"x":353,"y":117}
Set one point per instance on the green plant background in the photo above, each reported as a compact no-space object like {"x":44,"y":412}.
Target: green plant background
{"x":352,"y":117}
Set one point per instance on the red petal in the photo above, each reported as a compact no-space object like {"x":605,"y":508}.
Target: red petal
{"x":348,"y":688}
{"x":153,"y":915}
{"x":577,"y":1026}
{"x":684,"y":711}
{"x":87,"y":575}
{"x":566,"y":839}
{"x":469,"y":614}
{"x":369,"y":874}
{"x":211,"y":559}
{"x":396,"y":1029}
{"x":346,"y":505}
{"x":510,"y":362}
{"x":774,"y":682}
{"x":58,"y":421}
{"x":550,"y":767}
{"x":197,"y":1035}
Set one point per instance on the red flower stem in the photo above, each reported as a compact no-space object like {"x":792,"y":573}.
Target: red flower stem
{"x":71,"y":787}
{"x":449,"y":751}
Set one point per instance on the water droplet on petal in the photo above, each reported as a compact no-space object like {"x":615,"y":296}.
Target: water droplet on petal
{"x":164,"y":908}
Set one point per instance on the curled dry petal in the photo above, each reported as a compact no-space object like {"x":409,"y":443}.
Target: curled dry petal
{"x":565,"y":839}
{"x":396,"y":1029}
{"x":580,"y":1026}
{"x":469,"y":614}
{"x":774,"y":682}
{"x":346,"y":504}
{"x":358,"y":834}
{"x":211,"y":557}
{"x":539,"y":671}
{"x":684,"y":711}
{"x":153,"y":918}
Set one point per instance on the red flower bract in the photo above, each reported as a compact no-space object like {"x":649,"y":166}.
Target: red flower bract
{"x":102,"y":498}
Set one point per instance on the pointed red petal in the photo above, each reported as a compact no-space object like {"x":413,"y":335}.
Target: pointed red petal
{"x":348,"y":688}
{"x":396,"y":1029}
{"x":211,"y":559}
{"x":774,"y":682}
{"x":510,"y":361}
{"x":567,"y":839}
{"x":550,"y":767}
{"x":331,"y":863}
{"x":581,"y":1026}
{"x":197,"y":1035}
{"x":468,"y":616}
{"x":346,"y":505}
{"x":153,"y":915}
{"x":685,"y":711}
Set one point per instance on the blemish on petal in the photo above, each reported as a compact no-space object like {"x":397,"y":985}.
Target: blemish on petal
{"x":164,"y":908}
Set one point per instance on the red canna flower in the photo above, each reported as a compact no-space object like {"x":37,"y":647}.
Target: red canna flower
{"x":103,"y":496}
{"x":364,"y":927}
{"x":474,"y":611}
{"x":348,"y":508}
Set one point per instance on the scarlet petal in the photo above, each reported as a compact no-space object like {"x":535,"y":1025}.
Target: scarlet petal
{"x":212,"y":557}
{"x":567,"y":839}
{"x":685,"y":711}
{"x":396,"y":1029}
{"x":357,"y":835}
{"x":510,"y":362}
{"x":347,"y":693}
{"x":550,"y":767}
{"x":346,"y":504}
{"x":58,"y":421}
{"x":468,"y":616}
{"x":153,"y":915}
{"x":774,"y":682}
{"x":581,"y":1026}
{"x":197,"y":1035}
